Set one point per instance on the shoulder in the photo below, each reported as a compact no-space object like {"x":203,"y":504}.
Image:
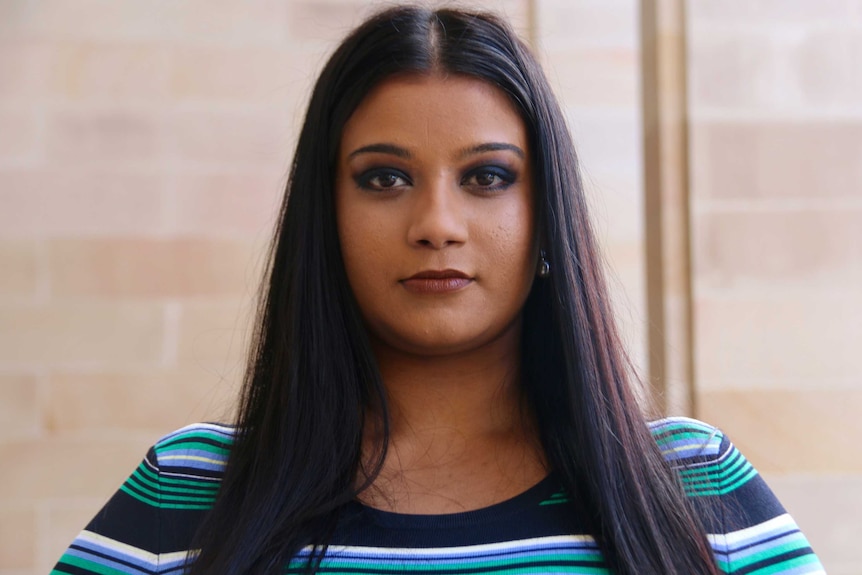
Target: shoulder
{"x":183,"y":469}
{"x":681,"y":438}
{"x":148,"y":525}
{"x":197,"y":450}
{"x":748,"y":528}
{"x":707,"y":461}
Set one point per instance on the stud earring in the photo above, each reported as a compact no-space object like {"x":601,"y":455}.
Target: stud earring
{"x":544,"y":267}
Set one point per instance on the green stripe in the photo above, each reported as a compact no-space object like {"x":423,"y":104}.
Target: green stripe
{"x":790,"y":564}
{"x":203,"y":491}
{"x":554,"y":501}
{"x":419,"y":565}
{"x":163,"y":504}
{"x":772,"y":553}
{"x":559,"y":497}
{"x":82,"y":563}
{"x":711,"y":469}
{"x":810,"y":559}
{"x":723,"y":467}
{"x":686,"y":426}
{"x":164,"y":501}
{"x":717,"y":488}
{"x":149,"y":475}
{"x":189,"y":507}
{"x":152,"y":502}
{"x":194,"y":439}
{"x":718,"y":479}
{"x":687,"y":434}
{"x":740,"y":472}
{"x":198,"y":431}
{"x":210,"y":485}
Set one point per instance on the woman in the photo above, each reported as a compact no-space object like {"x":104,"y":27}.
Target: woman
{"x":436,"y":383}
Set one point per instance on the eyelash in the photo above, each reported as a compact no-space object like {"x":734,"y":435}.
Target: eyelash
{"x":505,"y":178}
{"x":364,"y":180}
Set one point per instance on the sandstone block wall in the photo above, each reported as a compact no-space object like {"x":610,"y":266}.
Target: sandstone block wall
{"x":143,"y":152}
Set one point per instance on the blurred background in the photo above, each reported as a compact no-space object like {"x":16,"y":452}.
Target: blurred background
{"x":143,"y":153}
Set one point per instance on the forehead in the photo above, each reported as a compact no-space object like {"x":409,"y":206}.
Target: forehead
{"x":422,"y":110}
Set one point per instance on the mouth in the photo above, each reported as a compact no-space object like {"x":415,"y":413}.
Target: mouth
{"x":431,"y":282}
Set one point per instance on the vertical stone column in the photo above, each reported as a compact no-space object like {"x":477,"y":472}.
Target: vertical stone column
{"x":667,"y":241}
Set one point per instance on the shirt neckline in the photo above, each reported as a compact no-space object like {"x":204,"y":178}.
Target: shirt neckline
{"x":532,"y":497}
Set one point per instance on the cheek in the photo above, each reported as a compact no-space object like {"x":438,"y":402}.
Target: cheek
{"x":512,"y":241}
{"x":362,"y":248}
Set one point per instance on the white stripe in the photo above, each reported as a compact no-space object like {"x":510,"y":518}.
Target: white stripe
{"x":735,"y":539}
{"x":786,"y":539}
{"x":713,"y":461}
{"x":126,"y":550}
{"x":195,"y":476}
{"x":520,"y":544}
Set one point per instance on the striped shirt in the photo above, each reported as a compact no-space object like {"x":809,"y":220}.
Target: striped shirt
{"x":147,"y":526}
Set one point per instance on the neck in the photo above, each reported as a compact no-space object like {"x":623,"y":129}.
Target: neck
{"x":471,"y":393}
{"x":460,"y":436}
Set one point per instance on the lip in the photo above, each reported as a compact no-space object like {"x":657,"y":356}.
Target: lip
{"x":436,"y":282}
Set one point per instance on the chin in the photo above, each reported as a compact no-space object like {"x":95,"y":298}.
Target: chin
{"x":444,"y":342}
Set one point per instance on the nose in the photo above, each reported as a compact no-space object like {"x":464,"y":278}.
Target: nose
{"x":438,"y":218}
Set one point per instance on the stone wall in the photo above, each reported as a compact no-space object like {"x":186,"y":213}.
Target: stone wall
{"x":143,"y":152}
{"x":775,"y":103}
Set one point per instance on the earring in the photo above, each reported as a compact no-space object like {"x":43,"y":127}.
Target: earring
{"x":544,"y":267}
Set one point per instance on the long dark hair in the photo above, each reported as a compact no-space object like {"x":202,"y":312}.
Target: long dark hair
{"x":312,"y":374}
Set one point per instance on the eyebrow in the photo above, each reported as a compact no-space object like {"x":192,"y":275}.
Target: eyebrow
{"x":391,"y":149}
{"x":491,"y":147}
{"x":400,"y":152}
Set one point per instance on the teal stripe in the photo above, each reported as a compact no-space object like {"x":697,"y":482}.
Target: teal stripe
{"x":175,"y":491}
{"x":718,"y":479}
{"x":225,"y":436}
{"x":789,"y":564}
{"x":685,"y":426}
{"x":772,"y":554}
{"x":163,"y":494}
{"x":155,"y":498}
{"x":148,"y":474}
{"x":526,"y":556}
{"x":152,"y":502}
{"x":707,"y":438}
{"x":88,"y":565}
{"x":559,"y":497}
{"x":165,"y":504}
{"x":184,"y":441}
{"x":554,"y":501}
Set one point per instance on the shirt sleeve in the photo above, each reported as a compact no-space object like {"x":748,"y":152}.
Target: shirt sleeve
{"x":750,"y":531}
{"x":125,"y":535}
{"x":148,"y":526}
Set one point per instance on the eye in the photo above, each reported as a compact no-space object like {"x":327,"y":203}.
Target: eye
{"x":382,"y":179}
{"x":489,"y":178}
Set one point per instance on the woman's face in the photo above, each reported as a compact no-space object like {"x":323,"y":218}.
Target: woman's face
{"x":434,"y":201}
